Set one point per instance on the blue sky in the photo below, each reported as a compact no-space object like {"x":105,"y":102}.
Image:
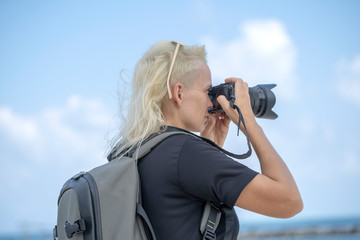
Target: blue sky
{"x":60,"y":64}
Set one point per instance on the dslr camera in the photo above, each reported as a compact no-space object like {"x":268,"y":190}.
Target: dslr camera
{"x":261,"y":97}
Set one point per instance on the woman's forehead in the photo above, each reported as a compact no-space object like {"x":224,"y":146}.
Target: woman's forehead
{"x":204,"y":78}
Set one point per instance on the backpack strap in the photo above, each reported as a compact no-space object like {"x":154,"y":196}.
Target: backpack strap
{"x":210,"y":220}
{"x":154,"y":141}
{"x":149,"y":145}
{"x":146,"y":228}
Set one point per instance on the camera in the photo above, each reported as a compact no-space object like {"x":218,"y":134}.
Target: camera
{"x":262,"y":99}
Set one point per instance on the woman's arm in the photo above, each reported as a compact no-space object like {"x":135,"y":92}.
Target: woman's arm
{"x":273,"y":192}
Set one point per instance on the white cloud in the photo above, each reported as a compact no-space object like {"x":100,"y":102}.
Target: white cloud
{"x":261,"y":53}
{"x":77,"y":127}
{"x":348,"y":80}
{"x":40,"y":151}
{"x":18,"y":127}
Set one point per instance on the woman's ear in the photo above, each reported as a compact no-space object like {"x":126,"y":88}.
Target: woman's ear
{"x":178,"y":93}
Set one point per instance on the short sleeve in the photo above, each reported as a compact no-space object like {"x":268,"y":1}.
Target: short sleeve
{"x":206,"y":173}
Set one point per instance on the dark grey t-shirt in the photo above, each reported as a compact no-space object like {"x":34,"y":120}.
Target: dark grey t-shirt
{"x":179,"y":176}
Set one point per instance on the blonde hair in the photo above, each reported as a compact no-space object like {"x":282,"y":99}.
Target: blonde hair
{"x":149,"y":90}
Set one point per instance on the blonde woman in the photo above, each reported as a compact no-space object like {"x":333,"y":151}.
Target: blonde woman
{"x":170,"y":93}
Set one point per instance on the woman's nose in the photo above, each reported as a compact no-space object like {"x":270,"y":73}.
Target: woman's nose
{"x":210,"y":104}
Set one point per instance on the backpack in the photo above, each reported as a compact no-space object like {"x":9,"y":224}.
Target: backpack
{"x":105,"y":203}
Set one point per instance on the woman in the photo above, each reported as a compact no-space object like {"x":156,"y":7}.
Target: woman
{"x":170,"y":93}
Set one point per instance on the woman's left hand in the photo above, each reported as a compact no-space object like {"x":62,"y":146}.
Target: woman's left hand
{"x":217,"y":128}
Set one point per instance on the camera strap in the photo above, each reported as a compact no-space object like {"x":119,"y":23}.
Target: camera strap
{"x":237,"y":156}
{"x":241,"y":120}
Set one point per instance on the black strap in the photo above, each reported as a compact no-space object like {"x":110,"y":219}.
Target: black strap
{"x":241,"y":119}
{"x":149,"y":231}
{"x":209,"y":235}
{"x":210,"y":220}
{"x":238,"y":156}
{"x":112,"y":155}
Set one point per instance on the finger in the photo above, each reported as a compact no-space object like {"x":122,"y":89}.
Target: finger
{"x":225,"y":118}
{"x":226,"y":121}
{"x":245,"y":86}
{"x":233,"y":79}
{"x":224,"y":103}
{"x":211,"y":119}
{"x":222,"y":115}
{"x":240,"y":85}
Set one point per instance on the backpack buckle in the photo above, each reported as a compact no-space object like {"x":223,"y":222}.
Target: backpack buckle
{"x":78,"y":227}
{"x":55,"y":233}
{"x":209,"y":235}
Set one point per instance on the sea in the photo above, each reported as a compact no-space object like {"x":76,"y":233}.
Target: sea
{"x":345,"y":228}
{"x":314,"y":229}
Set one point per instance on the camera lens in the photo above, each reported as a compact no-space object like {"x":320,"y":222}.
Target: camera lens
{"x":263,"y":100}
{"x":261,"y":97}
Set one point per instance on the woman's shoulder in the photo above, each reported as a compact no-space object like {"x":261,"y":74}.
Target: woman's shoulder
{"x":179,"y":134}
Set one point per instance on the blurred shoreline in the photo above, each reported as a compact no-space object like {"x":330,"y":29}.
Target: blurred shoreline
{"x":302,"y":232}
{"x":304,"y":229}
{"x":320,"y":229}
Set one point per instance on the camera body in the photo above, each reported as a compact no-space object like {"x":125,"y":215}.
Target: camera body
{"x":262,"y":99}
{"x":226,"y":89}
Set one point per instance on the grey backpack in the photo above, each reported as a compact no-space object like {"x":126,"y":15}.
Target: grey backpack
{"x":105,"y":203}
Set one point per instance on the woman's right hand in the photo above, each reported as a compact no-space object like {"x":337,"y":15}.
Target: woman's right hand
{"x":242,"y":101}
{"x":273,"y":192}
